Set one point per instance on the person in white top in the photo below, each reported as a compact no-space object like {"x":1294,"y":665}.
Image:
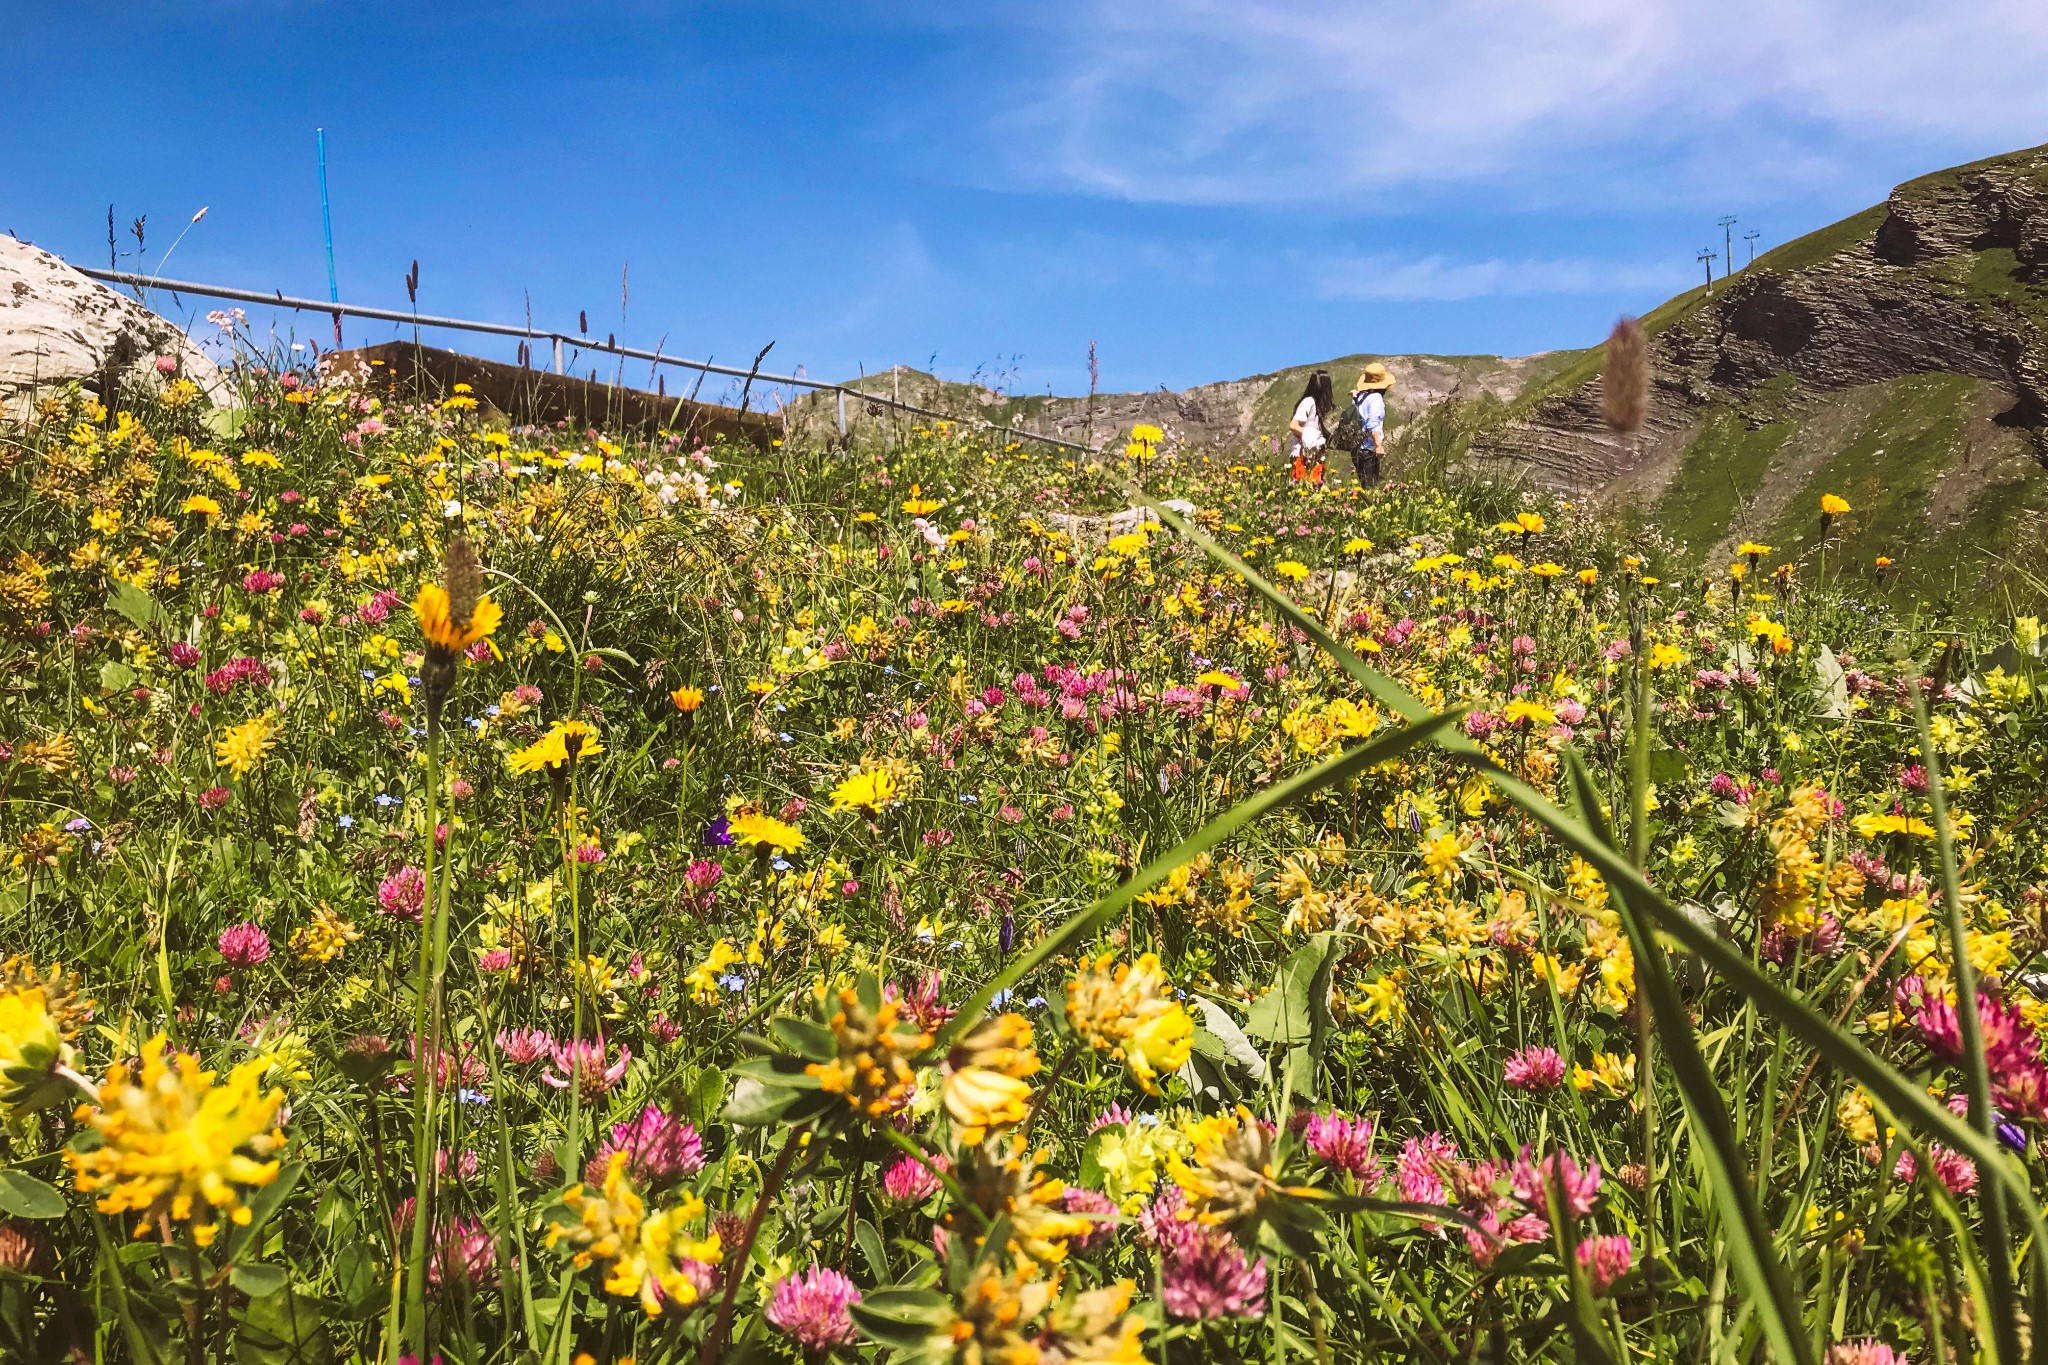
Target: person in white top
{"x":1368,"y":395}
{"x":1306,"y":428}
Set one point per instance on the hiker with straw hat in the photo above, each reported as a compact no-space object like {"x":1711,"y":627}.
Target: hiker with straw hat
{"x":1369,"y":399}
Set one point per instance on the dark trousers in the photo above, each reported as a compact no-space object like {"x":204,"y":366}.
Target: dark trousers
{"x":1366,"y":464}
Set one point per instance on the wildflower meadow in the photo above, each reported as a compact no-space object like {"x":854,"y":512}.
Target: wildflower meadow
{"x":491,"y":894}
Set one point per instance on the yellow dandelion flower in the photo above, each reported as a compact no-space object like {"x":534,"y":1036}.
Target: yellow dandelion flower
{"x":432,"y":609}
{"x":756,"y":830}
{"x":870,"y":789}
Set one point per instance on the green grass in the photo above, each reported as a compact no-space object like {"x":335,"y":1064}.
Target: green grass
{"x":1888,"y":470}
{"x":1721,"y":469}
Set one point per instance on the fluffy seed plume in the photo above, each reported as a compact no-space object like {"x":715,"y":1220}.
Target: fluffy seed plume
{"x":1625,"y":383}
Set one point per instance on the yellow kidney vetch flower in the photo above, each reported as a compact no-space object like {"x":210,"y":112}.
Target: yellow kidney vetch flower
{"x":647,"y":1254}
{"x":875,"y":1044}
{"x":984,"y":1086}
{"x":1614,"y":1075}
{"x":33,"y":1035}
{"x":1123,"y":1010}
{"x":241,"y":747}
{"x":176,"y":1145}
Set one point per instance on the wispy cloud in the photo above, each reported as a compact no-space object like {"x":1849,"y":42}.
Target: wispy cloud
{"x":1435,"y":279}
{"x":1310,"y":101}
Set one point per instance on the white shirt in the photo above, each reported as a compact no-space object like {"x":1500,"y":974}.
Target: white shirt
{"x":1311,"y":437}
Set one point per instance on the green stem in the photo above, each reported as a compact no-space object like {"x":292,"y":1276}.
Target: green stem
{"x":425,"y":1074}
{"x":1976,"y":1072}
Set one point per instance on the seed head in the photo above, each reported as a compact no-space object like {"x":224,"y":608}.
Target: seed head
{"x":463,"y":577}
{"x":1625,"y":383}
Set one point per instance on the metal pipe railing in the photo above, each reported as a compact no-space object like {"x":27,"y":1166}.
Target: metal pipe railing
{"x":280,"y":300}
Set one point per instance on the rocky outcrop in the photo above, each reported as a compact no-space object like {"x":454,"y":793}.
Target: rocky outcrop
{"x":1951,"y":274}
{"x":57,"y":326}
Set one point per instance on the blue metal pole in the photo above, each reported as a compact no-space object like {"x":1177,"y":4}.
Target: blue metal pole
{"x":327,"y":230}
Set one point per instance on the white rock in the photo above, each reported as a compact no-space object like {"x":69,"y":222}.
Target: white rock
{"x":57,"y":325}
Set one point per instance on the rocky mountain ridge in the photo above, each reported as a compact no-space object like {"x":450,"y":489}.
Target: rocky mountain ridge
{"x":1949,"y":275}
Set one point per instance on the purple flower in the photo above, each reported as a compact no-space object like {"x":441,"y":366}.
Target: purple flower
{"x":1213,"y":1278}
{"x":244,"y":945}
{"x":815,"y":1308}
{"x":1532,"y":1182}
{"x":1535,"y":1068}
{"x":658,"y":1149}
{"x":582,"y":1063}
{"x":718,"y":834}
{"x":910,"y":1181}
{"x":1956,"y":1172}
{"x":1344,"y":1143}
{"x":403,"y":894}
{"x":525,"y":1046}
{"x":1605,"y":1260}
{"x":1865,"y":1352}
{"x":1420,"y":1168}
{"x":1115,"y":1114}
{"x":1098,"y":1207}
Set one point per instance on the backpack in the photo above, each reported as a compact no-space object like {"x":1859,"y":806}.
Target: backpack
{"x":1345,"y":430}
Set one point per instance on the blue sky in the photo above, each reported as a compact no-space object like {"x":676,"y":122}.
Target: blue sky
{"x":1206,"y":188}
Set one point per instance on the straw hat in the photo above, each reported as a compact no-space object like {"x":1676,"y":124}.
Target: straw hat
{"x":1373,"y":376}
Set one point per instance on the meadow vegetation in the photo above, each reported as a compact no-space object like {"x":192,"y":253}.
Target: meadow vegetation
{"x":503,"y":894}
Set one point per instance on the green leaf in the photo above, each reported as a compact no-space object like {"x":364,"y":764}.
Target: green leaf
{"x":283,"y":1328}
{"x":1747,"y":1233}
{"x":24,"y":1196}
{"x":871,"y":1247}
{"x":225,"y":423}
{"x":906,"y":1319}
{"x":134,"y":603}
{"x":705,"y":1095}
{"x":116,"y":676}
{"x":257,"y":1278}
{"x":1229,"y":1041}
{"x":805,"y":1037}
{"x":1286,"y":1013}
{"x":268,"y":1200}
{"x":1831,"y":686}
{"x":777,"y":1070}
{"x":757,"y":1105}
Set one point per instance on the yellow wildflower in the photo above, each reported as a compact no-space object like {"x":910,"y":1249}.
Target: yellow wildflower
{"x":176,"y":1145}
{"x":243,"y":746}
{"x":1124,"y":1012}
{"x":646,"y":1253}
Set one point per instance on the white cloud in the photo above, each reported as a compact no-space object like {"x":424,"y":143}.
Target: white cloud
{"x":1434,"y":279}
{"x":1296,"y":101}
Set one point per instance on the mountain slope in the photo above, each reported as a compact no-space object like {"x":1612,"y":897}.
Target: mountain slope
{"x":1899,"y":357}
{"x":1227,"y":413}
